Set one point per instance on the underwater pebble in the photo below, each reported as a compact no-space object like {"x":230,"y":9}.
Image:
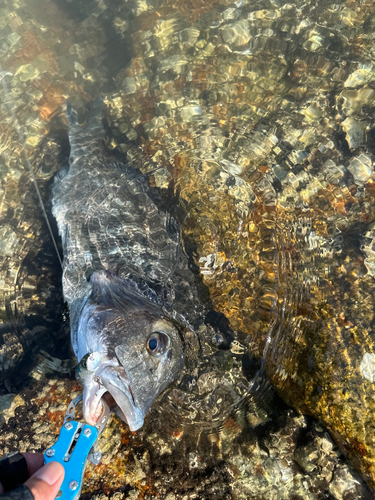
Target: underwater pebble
{"x":360,"y":76}
{"x":343,"y":483}
{"x":326,"y":444}
{"x":8,"y":405}
{"x":361,"y":168}
{"x":133,"y":494}
{"x":237,"y":33}
{"x":5,"y":405}
{"x":368,"y":366}
{"x":354,"y":130}
{"x":307,"y":457}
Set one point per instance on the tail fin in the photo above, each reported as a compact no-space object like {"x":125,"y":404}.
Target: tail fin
{"x":85,"y":140}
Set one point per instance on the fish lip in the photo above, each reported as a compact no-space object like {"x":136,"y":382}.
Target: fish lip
{"x":125,"y":375}
{"x":117,"y":385}
{"x":93,"y":407}
{"x":115,"y":362}
{"x":110,"y":377}
{"x":94,"y":391}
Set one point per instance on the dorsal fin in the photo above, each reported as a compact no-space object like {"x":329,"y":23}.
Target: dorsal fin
{"x":110,"y":290}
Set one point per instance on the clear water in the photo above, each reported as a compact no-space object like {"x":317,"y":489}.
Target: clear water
{"x":252,"y":123}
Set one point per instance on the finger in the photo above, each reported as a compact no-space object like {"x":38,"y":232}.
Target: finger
{"x":46,"y":482}
{"x":34,"y":462}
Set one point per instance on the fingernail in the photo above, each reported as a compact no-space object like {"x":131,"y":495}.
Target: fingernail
{"x":50,"y":473}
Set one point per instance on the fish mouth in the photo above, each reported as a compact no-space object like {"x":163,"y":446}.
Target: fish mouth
{"x":111,"y":384}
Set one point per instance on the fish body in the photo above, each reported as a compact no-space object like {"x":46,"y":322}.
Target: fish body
{"x":118,"y":249}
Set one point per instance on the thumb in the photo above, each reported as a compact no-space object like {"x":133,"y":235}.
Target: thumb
{"x":46,"y":482}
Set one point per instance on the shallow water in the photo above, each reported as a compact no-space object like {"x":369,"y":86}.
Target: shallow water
{"x":253,"y":124}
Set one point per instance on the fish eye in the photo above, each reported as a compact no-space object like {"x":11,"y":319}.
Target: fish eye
{"x":81,"y":369}
{"x":157,"y":343}
{"x":83,"y":362}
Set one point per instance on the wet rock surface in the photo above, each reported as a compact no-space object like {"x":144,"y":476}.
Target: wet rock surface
{"x":289,"y":457}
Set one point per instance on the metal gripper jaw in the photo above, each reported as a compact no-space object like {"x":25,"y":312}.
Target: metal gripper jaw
{"x":75,"y":445}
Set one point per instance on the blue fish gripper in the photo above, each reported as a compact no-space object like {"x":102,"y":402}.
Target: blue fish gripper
{"x":73,"y":448}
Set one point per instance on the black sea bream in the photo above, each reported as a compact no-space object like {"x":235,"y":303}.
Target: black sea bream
{"x":119,"y":252}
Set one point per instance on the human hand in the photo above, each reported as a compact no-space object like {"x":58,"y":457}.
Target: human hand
{"x":43,"y":481}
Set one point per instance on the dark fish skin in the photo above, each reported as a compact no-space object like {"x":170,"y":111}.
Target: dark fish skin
{"x":118,"y":248}
{"x":105,"y":216}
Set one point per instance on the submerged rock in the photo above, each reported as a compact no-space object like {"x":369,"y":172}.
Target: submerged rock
{"x":152,"y":463}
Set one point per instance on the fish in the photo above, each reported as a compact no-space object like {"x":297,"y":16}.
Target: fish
{"x":119,"y":252}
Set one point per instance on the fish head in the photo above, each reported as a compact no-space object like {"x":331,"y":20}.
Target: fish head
{"x":133,"y":354}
